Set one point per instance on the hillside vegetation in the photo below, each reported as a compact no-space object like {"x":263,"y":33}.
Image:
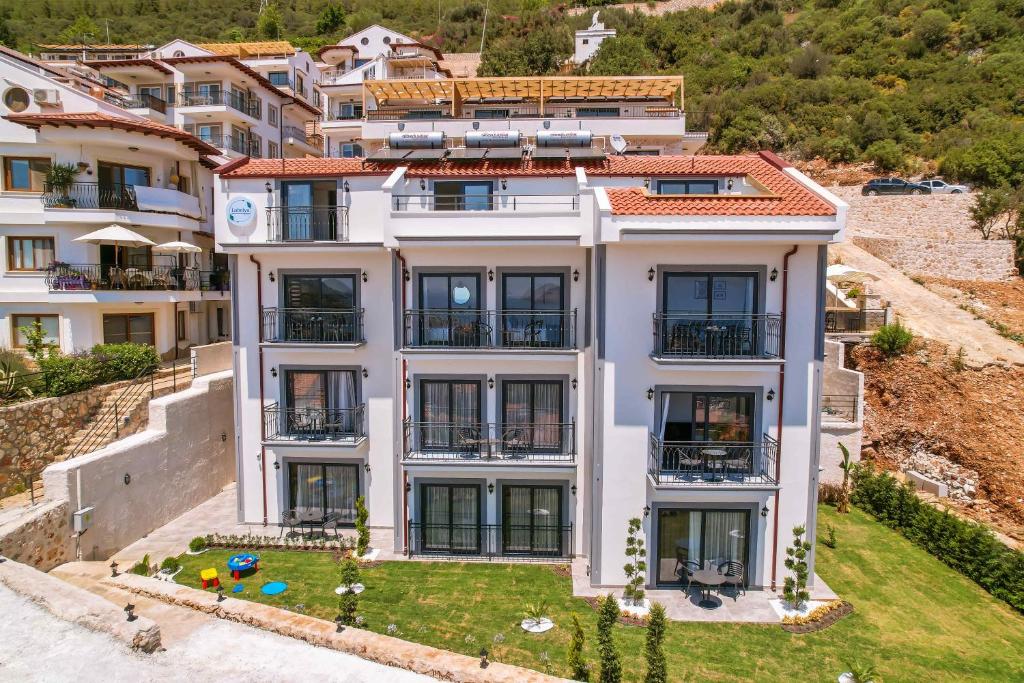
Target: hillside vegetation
{"x":908,"y":85}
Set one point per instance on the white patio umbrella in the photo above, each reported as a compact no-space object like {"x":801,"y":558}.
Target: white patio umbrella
{"x":843,"y":273}
{"x":177,"y":248}
{"x":118,"y":236}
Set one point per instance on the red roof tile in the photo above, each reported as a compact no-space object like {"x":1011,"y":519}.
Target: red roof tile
{"x":98,"y":119}
{"x":312,"y":167}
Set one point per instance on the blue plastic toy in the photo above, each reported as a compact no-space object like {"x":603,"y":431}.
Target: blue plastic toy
{"x":274,"y":588}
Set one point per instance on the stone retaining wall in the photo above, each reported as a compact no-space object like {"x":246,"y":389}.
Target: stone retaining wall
{"x":40,"y":536}
{"x":936,"y":216}
{"x":960,"y":260}
{"x":36,"y":432}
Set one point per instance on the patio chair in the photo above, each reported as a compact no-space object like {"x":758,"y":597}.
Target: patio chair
{"x":685,"y":568}
{"x":738,"y":464}
{"x":733,"y":572}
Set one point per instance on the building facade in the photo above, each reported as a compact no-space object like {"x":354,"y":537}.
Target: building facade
{"x":124,"y":169}
{"x":512,"y":356}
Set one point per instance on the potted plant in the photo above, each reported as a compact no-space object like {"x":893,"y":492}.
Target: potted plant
{"x":59,"y":179}
{"x":535,"y":619}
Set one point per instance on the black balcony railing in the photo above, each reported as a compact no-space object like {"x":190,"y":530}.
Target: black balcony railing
{"x":215,"y":280}
{"x":840,"y":407}
{"x":66,"y":277}
{"x":482,"y":329}
{"x":327,"y":223}
{"x":518,"y":203}
{"x":853,"y":320}
{"x":236,"y":143}
{"x":221,"y":98}
{"x":90,"y":196}
{"x":490,"y":442}
{"x":144,"y":101}
{"x":723,"y":335}
{"x":699,"y":463}
{"x":522,"y":541}
{"x":313,"y":424}
{"x":313,"y":325}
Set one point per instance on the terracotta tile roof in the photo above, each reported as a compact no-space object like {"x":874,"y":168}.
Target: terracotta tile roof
{"x":97,"y":119}
{"x":99,"y":64}
{"x":785,"y":196}
{"x":259,"y":78}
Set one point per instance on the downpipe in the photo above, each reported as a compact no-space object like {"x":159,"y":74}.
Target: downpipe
{"x":778,"y":425}
{"x":259,"y":354}
{"x":405,"y":408}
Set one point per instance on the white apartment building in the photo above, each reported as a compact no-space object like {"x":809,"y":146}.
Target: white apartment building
{"x":378,"y":83}
{"x":246,"y":99}
{"x":512,"y":356}
{"x":151,"y":178}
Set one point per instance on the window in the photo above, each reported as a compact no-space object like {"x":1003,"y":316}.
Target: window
{"x":317,"y":490}
{"x":450,"y":415}
{"x":134,"y":327}
{"x":182,"y":326}
{"x":27,"y":174}
{"x":531,"y":520}
{"x":322,"y":403}
{"x":280,"y":79}
{"x":461,"y":195}
{"x":387,"y":40}
{"x":597,"y":112}
{"x":300,"y":84}
{"x":272,"y":113}
{"x":16,"y":99}
{"x":116,"y":183}
{"x":273,"y":150}
{"x":726,"y":294}
{"x":351,"y":150}
{"x":688,"y":416}
{"x":179,"y":53}
{"x":586,"y":41}
{"x":450,"y":518}
{"x":687,"y":187}
{"x":29,"y":253}
{"x":220,"y":322}
{"x":492,"y":113}
{"x":364,"y":41}
{"x":450,"y":315}
{"x":699,"y":536}
{"x":531,"y":415}
{"x":50,"y":324}
{"x":349,"y":110}
{"x":320,"y":308}
{"x":255,"y":145}
{"x":710,"y":314}
{"x":532,"y":309}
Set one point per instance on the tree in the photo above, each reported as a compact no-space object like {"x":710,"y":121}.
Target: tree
{"x":35,"y":341}
{"x":611,"y":667}
{"x":654,"y":651}
{"x":81,"y":30}
{"x":811,"y":62}
{"x":348,"y":601}
{"x":269,"y":23}
{"x":843,"y":506}
{"x":886,"y":155}
{"x":331,"y":18}
{"x":623,"y":56}
{"x":995,"y":210}
{"x":578,"y":667}
{"x":542,"y":51}
{"x":932,"y":27}
{"x":7,"y":36}
{"x":794,"y":590}
{"x":362,"y":530}
{"x":636,"y":565}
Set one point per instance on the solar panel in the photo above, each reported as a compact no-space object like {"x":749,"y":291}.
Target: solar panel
{"x":576,"y":154}
{"x":468,"y":154}
{"x":388,"y":154}
{"x":504,"y":153}
{"x":427,"y":154}
{"x":549,"y":153}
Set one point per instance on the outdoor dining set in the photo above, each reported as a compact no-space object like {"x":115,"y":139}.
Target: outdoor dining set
{"x":711,"y":576}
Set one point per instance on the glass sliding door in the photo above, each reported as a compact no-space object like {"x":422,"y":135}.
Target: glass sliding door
{"x":460,"y":195}
{"x":705,"y":537}
{"x":320,"y":308}
{"x":322,"y":404}
{"x":532,"y":520}
{"x":723,"y":417}
{"x":533,"y":308}
{"x":450,"y":416}
{"x":116,"y":184}
{"x":709,"y":314}
{"x":532,"y":418}
{"x":450,"y":310}
{"x":319,"y":490}
{"x":450,"y":518}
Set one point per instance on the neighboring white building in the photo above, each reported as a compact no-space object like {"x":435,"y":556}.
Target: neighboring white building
{"x":150,"y":178}
{"x":246,"y":99}
{"x":514,"y":355}
{"x":589,"y":39}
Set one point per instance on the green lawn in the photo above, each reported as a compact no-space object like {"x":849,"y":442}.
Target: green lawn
{"x":915,"y":619}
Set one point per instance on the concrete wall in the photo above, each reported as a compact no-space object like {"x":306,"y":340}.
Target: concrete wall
{"x":960,"y":260}
{"x":144,"y":481}
{"x":840,"y":381}
{"x":211,"y":358}
{"x":40,"y":537}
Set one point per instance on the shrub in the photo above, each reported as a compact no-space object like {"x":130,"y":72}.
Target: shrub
{"x":794,"y":590}
{"x":196,"y":544}
{"x":829,"y":493}
{"x":362,"y":530}
{"x":654,"y":651}
{"x":348,"y":602}
{"x":892,"y":339}
{"x":68,"y":373}
{"x":171,"y":564}
{"x":611,"y":667}
{"x":578,"y":667}
{"x":141,"y":567}
{"x":636,"y":566}
{"x":886,"y":155}
{"x":125,"y":361}
{"x":967,"y":547}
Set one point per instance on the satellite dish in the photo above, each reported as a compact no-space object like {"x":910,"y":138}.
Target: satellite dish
{"x":619,"y":144}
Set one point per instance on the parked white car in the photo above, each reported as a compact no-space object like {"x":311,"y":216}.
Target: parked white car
{"x":940,"y":186}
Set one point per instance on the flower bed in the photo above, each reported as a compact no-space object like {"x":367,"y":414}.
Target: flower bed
{"x":253,"y":542}
{"x":819,"y":618}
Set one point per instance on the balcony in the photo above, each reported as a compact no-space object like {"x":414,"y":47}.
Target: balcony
{"x":481,"y":329}
{"x":235,"y":143}
{"x":713,"y":463}
{"x":717,"y":336}
{"x":215,"y":280}
{"x":297,"y":134}
{"x":328,"y":223}
{"x":514,"y":203}
{"x":313,"y":326}
{"x":840,"y":320}
{"x":313,"y":424}
{"x":221,"y":98}
{"x":490,"y":443}
{"x":526,"y":541}
{"x":840,"y":407}
{"x":69,"y":277}
{"x":139,"y":101}
{"x":90,"y":196}
{"x":650,"y":110}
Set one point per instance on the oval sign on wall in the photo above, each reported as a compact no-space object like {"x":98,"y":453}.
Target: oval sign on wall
{"x":241,"y":214}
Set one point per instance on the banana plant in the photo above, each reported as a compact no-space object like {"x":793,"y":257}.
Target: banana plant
{"x":843,"y":506}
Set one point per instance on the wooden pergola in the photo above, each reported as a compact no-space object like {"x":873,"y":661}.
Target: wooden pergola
{"x":536,"y":88}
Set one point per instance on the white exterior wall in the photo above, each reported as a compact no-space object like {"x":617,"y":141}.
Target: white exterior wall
{"x":375,"y":37}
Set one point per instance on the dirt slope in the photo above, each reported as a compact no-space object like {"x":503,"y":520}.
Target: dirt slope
{"x":965,"y":425}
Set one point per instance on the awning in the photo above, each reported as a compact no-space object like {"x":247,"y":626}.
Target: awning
{"x":526,"y":87}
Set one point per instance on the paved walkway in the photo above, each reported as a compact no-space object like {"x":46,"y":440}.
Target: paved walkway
{"x":36,"y":646}
{"x":932,"y":316}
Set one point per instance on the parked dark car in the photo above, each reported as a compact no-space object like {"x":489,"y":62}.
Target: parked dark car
{"x":877,"y":186}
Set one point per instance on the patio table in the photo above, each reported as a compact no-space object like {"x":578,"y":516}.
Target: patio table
{"x":714,"y":461}
{"x":708,"y":578}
